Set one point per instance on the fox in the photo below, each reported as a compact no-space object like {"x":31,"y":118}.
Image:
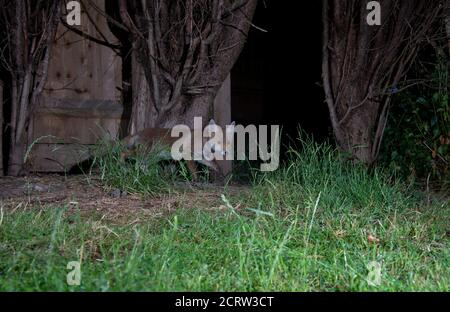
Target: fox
{"x":151,"y":137}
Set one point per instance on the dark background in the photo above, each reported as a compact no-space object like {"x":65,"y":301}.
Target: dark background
{"x":277,"y":79}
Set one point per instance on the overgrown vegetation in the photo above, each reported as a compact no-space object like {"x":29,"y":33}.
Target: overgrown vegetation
{"x":417,"y":141}
{"x":145,"y":171}
{"x":316,"y":224}
{"x":139,"y":173}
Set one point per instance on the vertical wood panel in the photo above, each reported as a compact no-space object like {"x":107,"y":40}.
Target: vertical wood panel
{"x":81,"y":69}
{"x":81,"y":99}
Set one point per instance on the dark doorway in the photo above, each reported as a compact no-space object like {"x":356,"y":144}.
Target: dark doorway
{"x":277,"y":79}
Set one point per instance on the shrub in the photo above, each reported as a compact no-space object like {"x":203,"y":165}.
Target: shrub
{"x":417,"y":137}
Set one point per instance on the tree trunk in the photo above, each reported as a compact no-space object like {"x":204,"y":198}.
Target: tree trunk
{"x":222,"y":117}
{"x":186,"y":50}
{"x":16,"y":159}
{"x":356,"y":137}
{"x":182,"y":111}
{"x":29,"y":29}
{"x":142,"y":115}
{"x":447,"y":24}
{"x":1,"y":129}
{"x":363,"y":66}
{"x":20,"y":118}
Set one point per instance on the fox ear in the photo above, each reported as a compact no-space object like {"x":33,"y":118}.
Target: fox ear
{"x":212,"y":122}
{"x":233,"y":123}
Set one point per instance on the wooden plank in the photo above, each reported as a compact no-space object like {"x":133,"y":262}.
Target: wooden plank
{"x":61,"y":129}
{"x":83,"y":70}
{"x":81,"y":108}
{"x":56,"y":157}
{"x":81,"y":101}
{"x":80,"y":122}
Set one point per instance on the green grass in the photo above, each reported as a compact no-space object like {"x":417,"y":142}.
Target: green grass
{"x":139,"y":173}
{"x":302,"y":228}
{"x":145,"y":171}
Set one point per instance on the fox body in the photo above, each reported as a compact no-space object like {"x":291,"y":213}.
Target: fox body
{"x":161,"y":138}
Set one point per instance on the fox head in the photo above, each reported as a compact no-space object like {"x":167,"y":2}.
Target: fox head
{"x":215,"y":145}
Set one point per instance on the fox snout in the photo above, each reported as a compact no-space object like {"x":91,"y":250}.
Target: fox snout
{"x":218,"y":149}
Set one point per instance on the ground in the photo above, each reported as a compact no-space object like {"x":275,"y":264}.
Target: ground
{"x":317,"y":228}
{"x":86,"y":194}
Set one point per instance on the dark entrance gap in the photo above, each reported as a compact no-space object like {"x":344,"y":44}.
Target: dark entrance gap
{"x":277,"y":79}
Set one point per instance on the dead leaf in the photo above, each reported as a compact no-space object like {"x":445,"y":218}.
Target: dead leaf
{"x":372,"y":239}
{"x":340,"y":233}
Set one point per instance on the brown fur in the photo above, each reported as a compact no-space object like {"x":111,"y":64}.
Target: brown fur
{"x":149,"y":137}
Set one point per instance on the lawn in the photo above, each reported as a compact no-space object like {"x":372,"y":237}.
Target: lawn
{"x":317,"y":224}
